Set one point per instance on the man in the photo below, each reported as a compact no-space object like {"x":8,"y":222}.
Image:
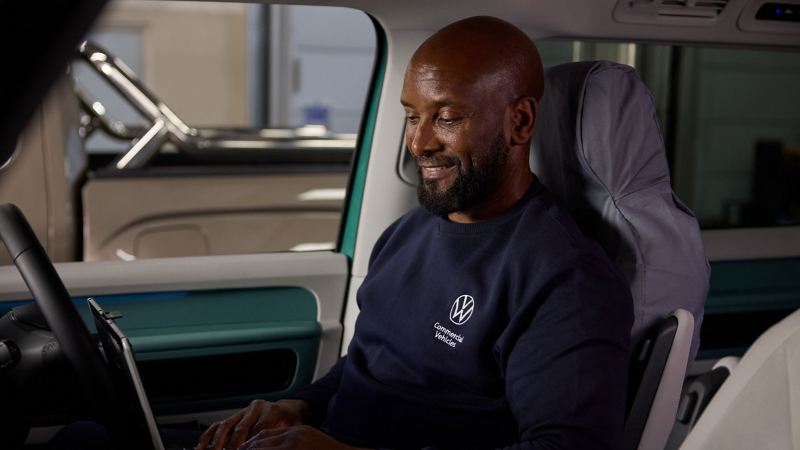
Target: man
{"x":487,"y":320}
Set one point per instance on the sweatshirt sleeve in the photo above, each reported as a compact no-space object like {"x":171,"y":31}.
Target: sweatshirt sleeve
{"x":319,"y":393}
{"x":566,"y":369}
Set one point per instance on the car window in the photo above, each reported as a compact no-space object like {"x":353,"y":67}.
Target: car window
{"x":212,"y":128}
{"x":234,"y":65}
{"x":729,"y":120}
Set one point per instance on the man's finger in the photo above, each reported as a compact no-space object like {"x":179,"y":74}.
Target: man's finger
{"x":205,"y":438}
{"x":239,"y":436}
{"x":223,"y":432}
{"x":244,"y":429}
{"x":265,"y":439}
{"x":273,"y":422}
{"x":241,"y":432}
{"x":273,"y":432}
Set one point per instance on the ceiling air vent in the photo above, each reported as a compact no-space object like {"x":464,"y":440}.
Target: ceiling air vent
{"x":678,"y":12}
{"x":689,"y":8}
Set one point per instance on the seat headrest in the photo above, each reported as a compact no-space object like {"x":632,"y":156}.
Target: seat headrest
{"x":605,"y":106}
{"x":598,"y":149}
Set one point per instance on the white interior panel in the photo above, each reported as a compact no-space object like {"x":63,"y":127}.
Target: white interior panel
{"x":324,"y":274}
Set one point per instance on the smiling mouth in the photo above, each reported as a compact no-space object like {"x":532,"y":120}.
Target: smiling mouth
{"x":432,"y":169}
{"x":434,"y":172}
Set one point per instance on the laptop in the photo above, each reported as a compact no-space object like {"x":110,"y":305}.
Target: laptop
{"x":119,"y":354}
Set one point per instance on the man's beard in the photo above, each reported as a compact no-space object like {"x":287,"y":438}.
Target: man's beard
{"x":469,"y":189}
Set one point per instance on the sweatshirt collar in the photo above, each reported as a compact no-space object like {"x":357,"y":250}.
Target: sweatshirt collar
{"x":446,"y":226}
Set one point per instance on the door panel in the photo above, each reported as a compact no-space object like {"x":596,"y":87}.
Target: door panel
{"x":213,"y":333}
{"x":218,"y":349}
{"x":135,"y":217}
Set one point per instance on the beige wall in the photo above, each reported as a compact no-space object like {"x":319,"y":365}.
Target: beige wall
{"x":193,"y":56}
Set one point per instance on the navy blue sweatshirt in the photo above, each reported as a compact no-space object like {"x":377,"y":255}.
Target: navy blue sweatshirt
{"x":508,"y":333}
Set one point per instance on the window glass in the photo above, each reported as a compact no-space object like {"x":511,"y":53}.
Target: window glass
{"x":234,"y":66}
{"x":729,"y":119}
{"x":210,"y":128}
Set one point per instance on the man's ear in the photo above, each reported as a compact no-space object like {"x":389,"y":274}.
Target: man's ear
{"x":523,"y":119}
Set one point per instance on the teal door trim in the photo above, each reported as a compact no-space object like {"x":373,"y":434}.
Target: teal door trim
{"x":352,"y":211}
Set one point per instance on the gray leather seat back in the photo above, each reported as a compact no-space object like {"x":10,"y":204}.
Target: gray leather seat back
{"x":598,"y":149}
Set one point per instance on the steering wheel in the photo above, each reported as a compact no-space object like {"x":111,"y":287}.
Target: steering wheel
{"x":58,"y":310}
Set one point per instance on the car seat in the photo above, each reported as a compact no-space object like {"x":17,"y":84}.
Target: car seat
{"x":758,"y":405}
{"x":597,"y":147}
{"x":696,"y":395}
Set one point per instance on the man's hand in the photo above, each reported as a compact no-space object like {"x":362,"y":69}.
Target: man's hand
{"x":301,"y":437}
{"x":259,"y":416}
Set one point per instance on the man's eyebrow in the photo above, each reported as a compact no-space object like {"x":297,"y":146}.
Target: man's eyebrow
{"x":444,"y":102}
{"x":438,"y":103}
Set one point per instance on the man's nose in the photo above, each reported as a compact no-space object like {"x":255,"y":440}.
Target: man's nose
{"x":423,"y":139}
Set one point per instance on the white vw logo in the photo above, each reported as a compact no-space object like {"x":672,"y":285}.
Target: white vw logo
{"x":462,"y":309}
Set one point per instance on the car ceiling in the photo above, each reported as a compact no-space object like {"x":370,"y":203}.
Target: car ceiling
{"x":583,"y":19}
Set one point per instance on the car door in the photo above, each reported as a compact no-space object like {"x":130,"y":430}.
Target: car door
{"x":212,"y":333}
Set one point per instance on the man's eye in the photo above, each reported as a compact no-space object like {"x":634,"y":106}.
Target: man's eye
{"x":412,"y":119}
{"x":448,"y":121}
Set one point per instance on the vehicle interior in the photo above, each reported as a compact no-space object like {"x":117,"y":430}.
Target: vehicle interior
{"x":231,"y":245}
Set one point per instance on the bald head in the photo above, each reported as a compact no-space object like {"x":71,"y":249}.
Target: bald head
{"x":486,"y":47}
{"x":471,"y":95}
